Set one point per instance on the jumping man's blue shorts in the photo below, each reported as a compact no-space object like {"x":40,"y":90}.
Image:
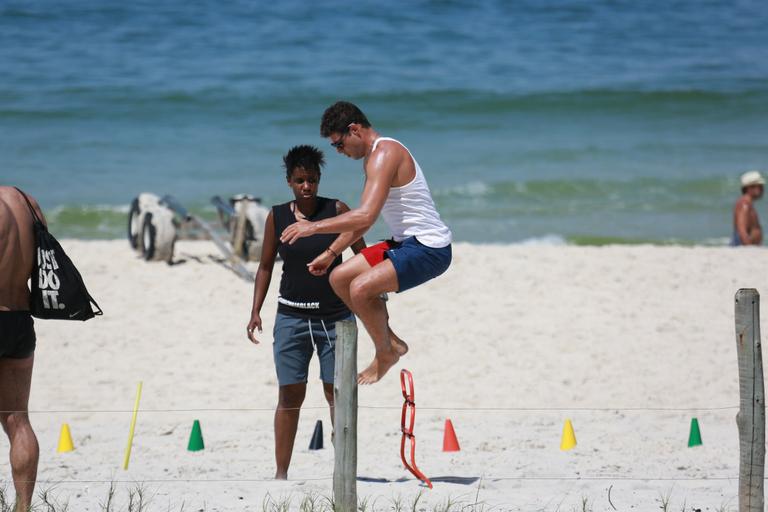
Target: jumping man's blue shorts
{"x":414,"y":262}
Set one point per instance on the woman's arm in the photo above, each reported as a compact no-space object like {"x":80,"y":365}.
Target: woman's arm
{"x":263,"y":276}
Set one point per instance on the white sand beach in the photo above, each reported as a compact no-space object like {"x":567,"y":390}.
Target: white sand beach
{"x":629,"y":342}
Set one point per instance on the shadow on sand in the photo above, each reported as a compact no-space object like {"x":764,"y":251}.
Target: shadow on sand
{"x":463,"y":480}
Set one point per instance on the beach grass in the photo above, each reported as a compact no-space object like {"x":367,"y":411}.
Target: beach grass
{"x":139,"y":498}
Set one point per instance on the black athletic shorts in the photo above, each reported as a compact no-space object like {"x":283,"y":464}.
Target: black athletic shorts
{"x":17,"y":334}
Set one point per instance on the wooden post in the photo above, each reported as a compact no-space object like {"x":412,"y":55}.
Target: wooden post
{"x":751,"y":416}
{"x":345,"y":418}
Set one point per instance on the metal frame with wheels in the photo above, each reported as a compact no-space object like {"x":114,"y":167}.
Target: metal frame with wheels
{"x":154,"y":223}
{"x":152,"y":228}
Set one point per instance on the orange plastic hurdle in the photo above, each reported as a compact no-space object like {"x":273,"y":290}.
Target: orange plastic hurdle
{"x":409,"y":412}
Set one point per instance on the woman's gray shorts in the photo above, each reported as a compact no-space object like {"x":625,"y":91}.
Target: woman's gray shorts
{"x":296,"y":339}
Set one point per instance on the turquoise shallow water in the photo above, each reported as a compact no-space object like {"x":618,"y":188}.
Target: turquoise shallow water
{"x":575,"y":122}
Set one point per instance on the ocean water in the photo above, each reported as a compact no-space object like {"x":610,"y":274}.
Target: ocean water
{"x":583,"y":122}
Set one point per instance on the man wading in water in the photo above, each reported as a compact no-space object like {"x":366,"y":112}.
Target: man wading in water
{"x":746,"y":225}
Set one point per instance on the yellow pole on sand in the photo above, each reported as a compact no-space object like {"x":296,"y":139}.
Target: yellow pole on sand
{"x":133,"y":428}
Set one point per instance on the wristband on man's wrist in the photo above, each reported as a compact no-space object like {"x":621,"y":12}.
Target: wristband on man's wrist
{"x":335,"y":255}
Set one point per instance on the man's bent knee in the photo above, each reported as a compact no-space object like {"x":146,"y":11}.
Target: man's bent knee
{"x":341,"y":277}
{"x":361,"y":290}
{"x":338,"y":279}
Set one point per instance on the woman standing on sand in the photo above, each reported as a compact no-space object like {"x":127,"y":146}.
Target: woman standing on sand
{"x":308,"y":309}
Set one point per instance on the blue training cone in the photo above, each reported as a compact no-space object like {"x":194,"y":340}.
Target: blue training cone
{"x":317,"y":437}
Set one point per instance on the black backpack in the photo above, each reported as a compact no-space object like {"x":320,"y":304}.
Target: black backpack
{"x":58,"y":291}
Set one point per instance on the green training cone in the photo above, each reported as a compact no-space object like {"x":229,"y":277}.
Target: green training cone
{"x":694,"y":438}
{"x":196,"y":438}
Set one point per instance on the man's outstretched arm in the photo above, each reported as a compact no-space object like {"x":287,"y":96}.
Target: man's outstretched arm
{"x":354,"y":239}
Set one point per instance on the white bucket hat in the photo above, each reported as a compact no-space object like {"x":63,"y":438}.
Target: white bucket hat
{"x":750,"y":178}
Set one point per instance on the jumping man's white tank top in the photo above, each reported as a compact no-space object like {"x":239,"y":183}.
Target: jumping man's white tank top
{"x":410,"y":211}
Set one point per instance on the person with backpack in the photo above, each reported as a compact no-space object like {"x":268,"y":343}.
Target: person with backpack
{"x":17,"y":338}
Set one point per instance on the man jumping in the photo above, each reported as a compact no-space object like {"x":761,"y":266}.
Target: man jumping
{"x":420,"y":248}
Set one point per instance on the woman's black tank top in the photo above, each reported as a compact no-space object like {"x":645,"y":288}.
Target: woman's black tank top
{"x":302,"y":294}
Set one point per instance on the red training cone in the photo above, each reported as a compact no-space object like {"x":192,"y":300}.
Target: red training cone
{"x":450,"y":443}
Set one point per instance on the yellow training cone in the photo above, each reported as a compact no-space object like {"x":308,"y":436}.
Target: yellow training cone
{"x":65,"y":440}
{"x":569,"y":438}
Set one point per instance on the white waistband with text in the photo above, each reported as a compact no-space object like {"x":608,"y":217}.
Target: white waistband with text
{"x":299,"y":305}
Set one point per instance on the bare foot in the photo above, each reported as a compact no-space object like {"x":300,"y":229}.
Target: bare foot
{"x":381,"y":363}
{"x":398,"y":345}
